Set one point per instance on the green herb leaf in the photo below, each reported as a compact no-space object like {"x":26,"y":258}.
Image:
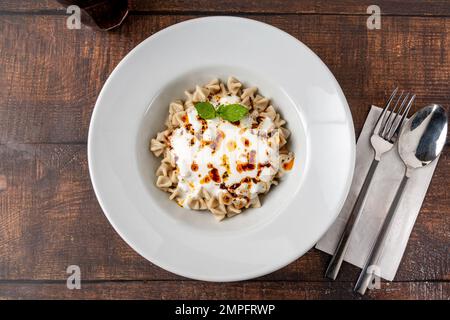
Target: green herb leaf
{"x":205,"y":110}
{"x":232,"y":112}
{"x":220,"y":109}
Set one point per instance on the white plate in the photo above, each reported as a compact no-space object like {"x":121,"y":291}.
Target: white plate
{"x":131,"y":109}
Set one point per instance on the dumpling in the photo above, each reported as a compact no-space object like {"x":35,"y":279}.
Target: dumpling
{"x":285,"y":132}
{"x":281,"y":138}
{"x":213,"y":86}
{"x":249,"y":92}
{"x":163,"y":170}
{"x":219,"y":212}
{"x":223,"y":91}
{"x":205,"y":194}
{"x":178,"y":118}
{"x":220,"y":217}
{"x":232,"y":211}
{"x":234,"y":208}
{"x":255,"y":202}
{"x":163,"y":182}
{"x":173,"y":177}
{"x":157,"y":147}
{"x":260,"y":103}
{"x":168,"y":158}
{"x":176,"y":106}
{"x":278,"y":121}
{"x":248,"y":96}
{"x":200,"y":94}
{"x":188,"y":103}
{"x":175,"y":193}
{"x":284,"y":158}
{"x":234,"y":85}
{"x":192,"y":203}
{"x":225,"y":198}
{"x":238,"y":203}
{"x":212,"y":203}
{"x":162,"y":136}
{"x":283,"y":150}
{"x":270,"y":113}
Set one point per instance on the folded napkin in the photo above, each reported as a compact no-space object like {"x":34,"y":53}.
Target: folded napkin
{"x":381,"y":193}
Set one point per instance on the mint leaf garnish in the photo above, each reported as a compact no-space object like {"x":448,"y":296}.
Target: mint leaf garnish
{"x":232,"y":112}
{"x":205,"y":110}
{"x":220,"y":109}
{"x":229,"y":112}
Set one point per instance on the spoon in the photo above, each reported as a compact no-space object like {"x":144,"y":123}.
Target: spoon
{"x":421,"y":140}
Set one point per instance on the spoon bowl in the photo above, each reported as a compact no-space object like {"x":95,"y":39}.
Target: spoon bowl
{"x":422,"y":138}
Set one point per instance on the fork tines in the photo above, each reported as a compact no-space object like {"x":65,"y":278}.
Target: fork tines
{"x":392,"y":119}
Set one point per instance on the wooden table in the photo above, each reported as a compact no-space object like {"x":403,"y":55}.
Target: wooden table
{"x":50,"y":77}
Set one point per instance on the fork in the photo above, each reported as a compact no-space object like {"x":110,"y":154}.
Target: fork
{"x":384,"y":135}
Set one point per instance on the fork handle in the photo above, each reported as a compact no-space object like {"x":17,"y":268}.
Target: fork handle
{"x":370,"y":268}
{"x":341,"y":249}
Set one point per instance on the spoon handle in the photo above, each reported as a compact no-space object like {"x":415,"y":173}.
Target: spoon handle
{"x":341,"y":249}
{"x":370,"y":268}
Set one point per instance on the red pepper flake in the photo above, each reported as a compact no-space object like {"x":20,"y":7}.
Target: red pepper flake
{"x":214,"y":175}
{"x":204,"y":124}
{"x":245,"y":166}
{"x":261,"y":166}
{"x":249,"y":165}
{"x":194,"y":166}
{"x":246,"y":142}
{"x":246,"y":180}
{"x":225,"y":176}
{"x":234,"y":186}
{"x":205,"y":143}
{"x":189,"y":128}
{"x":226,"y":198}
{"x":288,"y":165}
{"x":205,"y":179}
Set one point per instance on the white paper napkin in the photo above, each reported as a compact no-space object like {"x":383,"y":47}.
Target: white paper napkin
{"x":382,"y":191}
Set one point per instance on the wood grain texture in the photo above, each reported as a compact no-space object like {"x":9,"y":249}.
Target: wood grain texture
{"x":52,"y":83}
{"x":50,"y":78}
{"x":352,"y":7}
{"x":250,"y":290}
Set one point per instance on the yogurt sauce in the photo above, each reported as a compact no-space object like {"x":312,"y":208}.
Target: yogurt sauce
{"x":217,"y":155}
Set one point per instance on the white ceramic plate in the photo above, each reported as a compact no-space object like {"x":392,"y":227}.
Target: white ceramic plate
{"x":132,"y":107}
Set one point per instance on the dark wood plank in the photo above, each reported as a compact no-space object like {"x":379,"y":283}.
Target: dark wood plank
{"x":53,"y":75}
{"x":352,"y":7}
{"x":241,"y":290}
{"x":49,"y":219}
